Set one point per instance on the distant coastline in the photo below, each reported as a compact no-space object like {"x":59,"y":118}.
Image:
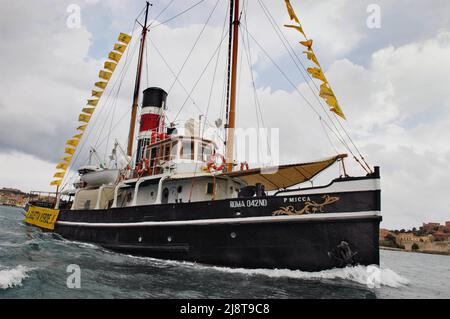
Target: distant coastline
{"x":414,"y":252}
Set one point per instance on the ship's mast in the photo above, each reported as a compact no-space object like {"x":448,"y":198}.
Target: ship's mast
{"x":232,"y":107}
{"x":137,"y":87}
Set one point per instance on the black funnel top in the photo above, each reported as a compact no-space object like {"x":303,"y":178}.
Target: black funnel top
{"x":154,"y":97}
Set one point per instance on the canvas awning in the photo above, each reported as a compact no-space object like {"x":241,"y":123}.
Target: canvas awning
{"x":285,"y":176}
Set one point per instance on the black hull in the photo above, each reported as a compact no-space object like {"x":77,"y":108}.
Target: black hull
{"x":304,"y":245}
{"x":339,"y":234}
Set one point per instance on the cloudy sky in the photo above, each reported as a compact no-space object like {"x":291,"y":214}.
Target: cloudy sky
{"x":392,"y":82}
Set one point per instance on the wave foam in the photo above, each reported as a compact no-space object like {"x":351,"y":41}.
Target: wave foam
{"x":10,"y":278}
{"x":365,"y":275}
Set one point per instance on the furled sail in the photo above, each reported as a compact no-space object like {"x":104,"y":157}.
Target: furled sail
{"x":87,"y":112}
{"x":326,"y":92}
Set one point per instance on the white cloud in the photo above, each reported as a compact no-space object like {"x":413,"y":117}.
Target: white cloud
{"x":397,"y":103}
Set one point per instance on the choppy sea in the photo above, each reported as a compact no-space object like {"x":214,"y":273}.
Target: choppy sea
{"x":34,"y":264}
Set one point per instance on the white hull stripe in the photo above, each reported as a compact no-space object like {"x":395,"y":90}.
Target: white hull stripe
{"x":247,"y":220}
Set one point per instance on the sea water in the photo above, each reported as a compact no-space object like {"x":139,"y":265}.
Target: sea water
{"x":34,"y":264}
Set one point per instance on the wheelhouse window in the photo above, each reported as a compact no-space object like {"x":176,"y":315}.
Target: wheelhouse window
{"x":187,"y":149}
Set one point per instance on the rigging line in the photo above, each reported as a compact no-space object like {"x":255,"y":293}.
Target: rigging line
{"x":308,"y":80}
{"x":201,"y":75}
{"x":161,"y":13}
{"x":146,"y":61}
{"x":274,"y":24}
{"x":215,"y":72}
{"x":119,"y":82}
{"x":179,"y":14}
{"x":209,"y":103}
{"x":189,"y":95}
{"x":194,"y":46}
{"x":96,"y":119}
{"x":255,"y":96}
{"x":292,"y":84}
{"x":250,"y":62}
{"x":301,"y":94}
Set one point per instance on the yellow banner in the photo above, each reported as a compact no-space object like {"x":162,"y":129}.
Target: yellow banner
{"x":56,"y":183}
{"x":84,"y":118}
{"x":307,"y":44}
{"x":124,"y":38}
{"x":59,"y":175}
{"x":42,"y":217}
{"x":73,"y":143}
{"x":120,"y":47}
{"x":66,"y":159}
{"x":291,"y":11}
{"x":62,"y":166}
{"x":89,"y":110}
{"x":69,"y":151}
{"x":101,"y":85}
{"x":296,"y":27}
{"x":82,"y":128}
{"x":92,"y":102}
{"x":115,"y":56}
{"x":97,"y":94}
{"x":111,"y":66}
{"x":105,"y":75}
{"x":318,"y":74}
{"x":312,"y":57}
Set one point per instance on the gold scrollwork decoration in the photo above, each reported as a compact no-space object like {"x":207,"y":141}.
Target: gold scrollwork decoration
{"x":311,"y":207}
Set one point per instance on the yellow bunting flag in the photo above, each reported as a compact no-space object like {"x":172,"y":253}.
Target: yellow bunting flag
{"x":296,"y":27}
{"x":62,"y":166}
{"x":84,"y":118}
{"x":56,"y":183}
{"x":115,"y":56}
{"x":124,"y":38}
{"x":82,"y":128}
{"x":312,"y":57}
{"x":73,"y":143}
{"x":307,"y":44}
{"x":69,"y":151}
{"x":291,"y":11}
{"x":334,"y":105}
{"x":92,"y":102}
{"x":111,"y":66}
{"x":78,"y":136}
{"x":97,"y":94}
{"x":59,"y":175}
{"x":325,"y":91}
{"x":317,"y":74}
{"x":89,"y":110}
{"x":66,"y":159}
{"x":101,"y":85}
{"x":120,"y":47}
{"x":105,"y":75}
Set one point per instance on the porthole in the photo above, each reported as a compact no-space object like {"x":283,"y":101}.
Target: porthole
{"x":169,"y":239}
{"x":140,"y":239}
{"x":179,"y":189}
{"x":238,"y":214}
{"x":233,"y":235}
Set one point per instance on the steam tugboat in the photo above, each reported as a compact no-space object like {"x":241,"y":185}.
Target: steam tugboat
{"x":178,"y":198}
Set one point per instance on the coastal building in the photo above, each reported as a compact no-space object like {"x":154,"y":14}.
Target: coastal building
{"x":447,"y":224}
{"x":385,"y":233}
{"x":430,"y":227}
{"x":12,"y":197}
{"x":441,"y":235}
